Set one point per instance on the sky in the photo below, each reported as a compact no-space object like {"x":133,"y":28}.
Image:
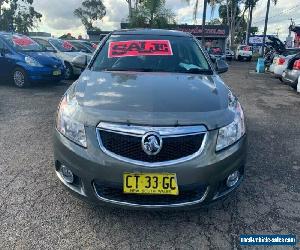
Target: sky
{"x":58,"y":18}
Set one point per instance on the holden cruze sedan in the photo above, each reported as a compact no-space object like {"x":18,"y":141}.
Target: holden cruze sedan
{"x":150,"y":124}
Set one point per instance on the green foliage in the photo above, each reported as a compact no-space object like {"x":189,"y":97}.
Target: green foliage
{"x":253,"y":31}
{"x":91,"y":11}
{"x":236,"y":18}
{"x":211,"y":3}
{"x":215,"y":21}
{"x":18,"y":16}
{"x":153,"y":14}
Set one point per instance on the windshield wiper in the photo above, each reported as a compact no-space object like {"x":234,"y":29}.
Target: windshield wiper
{"x":129,"y":69}
{"x":197,"y":71}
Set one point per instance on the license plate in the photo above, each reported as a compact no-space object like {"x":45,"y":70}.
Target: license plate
{"x":150,"y":183}
{"x":57,"y":72}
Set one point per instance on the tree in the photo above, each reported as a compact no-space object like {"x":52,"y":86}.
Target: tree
{"x":232,"y":13}
{"x":152,"y":14}
{"x":266,"y":25}
{"x":215,"y":21}
{"x":130,"y":8}
{"x":18,"y":15}
{"x":212,"y":4}
{"x":90,"y":12}
{"x":251,"y":5}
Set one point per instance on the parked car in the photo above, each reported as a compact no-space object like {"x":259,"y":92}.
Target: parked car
{"x":229,"y":54}
{"x":244,"y":52}
{"x":84,"y":46}
{"x":24,"y":61}
{"x":286,"y":55}
{"x":65,"y":51}
{"x":292,"y":72}
{"x":216,"y":53}
{"x":280,"y":63}
{"x":150,"y":124}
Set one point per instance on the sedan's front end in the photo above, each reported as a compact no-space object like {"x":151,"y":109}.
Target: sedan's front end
{"x":140,"y":139}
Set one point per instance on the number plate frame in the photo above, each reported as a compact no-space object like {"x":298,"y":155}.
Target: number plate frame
{"x":160,"y":183}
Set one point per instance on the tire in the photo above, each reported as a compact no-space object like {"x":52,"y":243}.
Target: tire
{"x":249,"y":59}
{"x":69,"y":72}
{"x":20,"y":78}
{"x":294,"y":85}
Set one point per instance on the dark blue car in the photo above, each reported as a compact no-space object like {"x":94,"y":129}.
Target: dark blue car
{"x":24,"y":61}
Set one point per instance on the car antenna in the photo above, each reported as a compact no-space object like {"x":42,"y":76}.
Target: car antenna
{"x":177,"y":123}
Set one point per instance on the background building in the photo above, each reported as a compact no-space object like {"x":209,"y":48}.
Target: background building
{"x":215,"y":35}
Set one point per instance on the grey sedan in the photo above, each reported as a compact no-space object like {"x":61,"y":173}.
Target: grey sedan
{"x":150,"y":124}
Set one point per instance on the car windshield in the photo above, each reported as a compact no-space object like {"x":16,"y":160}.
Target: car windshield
{"x":91,"y":46}
{"x":81,"y":46}
{"x":22,"y":43}
{"x":63,"y":46}
{"x":246,"y":48}
{"x":215,"y":51}
{"x":150,"y":53}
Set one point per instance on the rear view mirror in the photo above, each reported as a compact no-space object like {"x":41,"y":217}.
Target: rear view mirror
{"x":81,"y":61}
{"x":221,"y":66}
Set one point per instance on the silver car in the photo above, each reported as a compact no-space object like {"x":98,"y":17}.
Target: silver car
{"x":150,"y":124}
{"x":65,"y":51}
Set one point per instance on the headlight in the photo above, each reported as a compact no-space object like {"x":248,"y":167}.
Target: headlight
{"x":235,"y":130}
{"x":66,"y":124}
{"x":32,"y":62}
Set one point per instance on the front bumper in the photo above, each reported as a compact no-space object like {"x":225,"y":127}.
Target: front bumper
{"x":92,"y":168}
{"x":44,"y":74}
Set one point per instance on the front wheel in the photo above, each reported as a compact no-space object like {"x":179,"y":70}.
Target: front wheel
{"x":20,"y":78}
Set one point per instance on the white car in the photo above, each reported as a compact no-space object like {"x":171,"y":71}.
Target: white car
{"x":280,"y":64}
{"x":65,"y":51}
{"x":276,"y":61}
{"x":244,"y":52}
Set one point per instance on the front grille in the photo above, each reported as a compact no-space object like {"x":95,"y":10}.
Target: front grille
{"x":188,"y":193}
{"x":130,"y":146}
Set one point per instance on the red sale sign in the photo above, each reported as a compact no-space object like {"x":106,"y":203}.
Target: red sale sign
{"x":67,"y":45}
{"x":22,"y":41}
{"x":140,"y":48}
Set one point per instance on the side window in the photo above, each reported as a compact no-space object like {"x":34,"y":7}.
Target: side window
{"x":45,"y":44}
{"x":3,"y":47}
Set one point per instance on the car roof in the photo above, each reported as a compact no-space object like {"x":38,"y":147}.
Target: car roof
{"x":44,"y":38}
{"x":10,"y":33}
{"x":158,"y":32}
{"x":78,"y":41}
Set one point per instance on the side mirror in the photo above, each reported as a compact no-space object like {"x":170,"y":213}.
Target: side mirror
{"x":221,"y":66}
{"x":81,"y":61}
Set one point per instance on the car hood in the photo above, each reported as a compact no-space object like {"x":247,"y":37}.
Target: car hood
{"x":69,"y":56}
{"x":276,"y":44}
{"x":45,"y":58}
{"x":156,"y":99}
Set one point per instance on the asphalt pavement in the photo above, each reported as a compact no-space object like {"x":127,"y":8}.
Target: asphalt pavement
{"x":36,"y":212}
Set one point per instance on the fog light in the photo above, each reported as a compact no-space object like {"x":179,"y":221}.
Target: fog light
{"x":233,"y":179}
{"x":66,"y":174}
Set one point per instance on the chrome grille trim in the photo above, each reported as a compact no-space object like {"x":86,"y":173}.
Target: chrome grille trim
{"x":140,"y":131}
{"x":137,"y":205}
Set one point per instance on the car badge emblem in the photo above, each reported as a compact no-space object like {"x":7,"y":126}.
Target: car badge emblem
{"x":152,"y":143}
